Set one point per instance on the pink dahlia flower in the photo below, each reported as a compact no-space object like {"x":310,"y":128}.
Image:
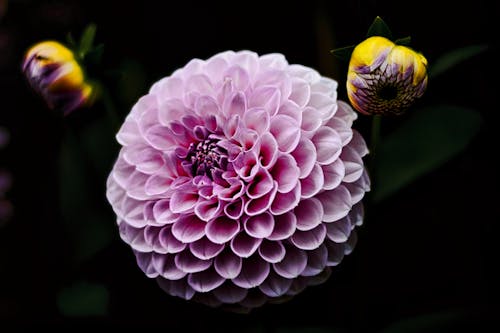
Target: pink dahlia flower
{"x":239,"y":180}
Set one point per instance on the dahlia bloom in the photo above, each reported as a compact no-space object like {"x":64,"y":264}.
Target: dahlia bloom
{"x":54,"y":73}
{"x":240,"y":180}
{"x":385,"y":78}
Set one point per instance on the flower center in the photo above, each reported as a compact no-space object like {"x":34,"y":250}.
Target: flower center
{"x":388,"y":92}
{"x":205,"y":157}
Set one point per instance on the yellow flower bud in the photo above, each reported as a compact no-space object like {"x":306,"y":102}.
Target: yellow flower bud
{"x":54,"y":73}
{"x":385,"y":78}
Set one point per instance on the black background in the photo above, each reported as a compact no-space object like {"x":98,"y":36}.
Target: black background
{"x":430,"y":249}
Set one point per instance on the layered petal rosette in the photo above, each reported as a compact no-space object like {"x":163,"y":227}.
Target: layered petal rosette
{"x":240,"y":180}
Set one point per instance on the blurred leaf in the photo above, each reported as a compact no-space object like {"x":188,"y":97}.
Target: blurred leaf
{"x":425,"y":141}
{"x":403,"y":41}
{"x":83,"y":299}
{"x":449,"y":321}
{"x":379,"y":28}
{"x":87,"y":40}
{"x":343,"y":53}
{"x":453,"y":58}
{"x":94,"y":56}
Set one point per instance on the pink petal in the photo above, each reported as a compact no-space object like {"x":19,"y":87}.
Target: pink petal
{"x":230,"y":294}
{"x":311,"y":239}
{"x":239,"y":76}
{"x":129,"y":133}
{"x":336,"y":203}
{"x":133,"y":212}
{"x":275,"y":285}
{"x":335,"y":253}
{"x":187,"y":262}
{"x":351,"y":243}
{"x":178,"y":288}
{"x":303,"y":72}
{"x":358,"y":144}
{"x":325,"y":105}
{"x":272,"y":251}
{"x":284,"y":202}
{"x":205,"y":281}
{"x":244,"y":245}
{"x":313,"y":183}
{"x":160,"y":137}
{"x":328,"y":145}
{"x":206,"y":210}
{"x":286,"y":132}
{"x":261,"y":184}
{"x":305,"y":156}
{"x":345,"y":112}
{"x":273,"y":60}
{"x":257,"y":119}
{"x":171,"y":110}
{"x":235,"y":104}
{"x":292,"y":110}
{"x":228,"y":265}
{"x":165,"y":266}
{"x":215,"y":68}
{"x":157,"y":184}
{"x":293,"y":264}
{"x":134,"y":237}
{"x":162,"y":212}
{"x":309,"y":214}
{"x":169,"y":242}
{"x":182,"y":202}
{"x":340,"y":230}
{"x":222,"y":230}
{"x":151,"y":234}
{"x":268,"y":150}
{"x":259,"y":226}
{"x":234,"y":210}
{"x":341,"y":127}
{"x":199,"y":83}
{"x":204,"y":249}
{"x":145,"y":264}
{"x":353,"y":164}
{"x":249,"y":61}
{"x":333,"y":174}
{"x":206,"y":106}
{"x":301,"y":91}
{"x":168,"y":87}
{"x":286,"y":172}
{"x":284,"y":226}
{"x":188,"y":229}
{"x":253,"y":273}
{"x":325,"y":86}
{"x":316,"y":261}
{"x":310,"y":120}
{"x":266,"y":97}
{"x":135,"y":186}
{"x":260,"y":205}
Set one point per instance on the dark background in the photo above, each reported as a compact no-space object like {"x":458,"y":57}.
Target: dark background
{"x":426,"y":254}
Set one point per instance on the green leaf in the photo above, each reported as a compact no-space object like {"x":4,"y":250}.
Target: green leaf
{"x":87,"y":40}
{"x":453,"y":58}
{"x":424,"y":142}
{"x":94,"y":56}
{"x":83,"y":299}
{"x":343,"y":53}
{"x":379,"y":28}
{"x":405,"y":41}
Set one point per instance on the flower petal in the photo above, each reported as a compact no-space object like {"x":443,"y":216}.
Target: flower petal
{"x":205,"y":281}
{"x":228,"y":265}
{"x":336,"y":203}
{"x":259,"y":226}
{"x":272,"y":251}
{"x":253,"y":273}
{"x":293,"y":264}
{"x":204,"y":249}
{"x":188,"y":228}
{"x":311,"y":239}
{"x":243,"y":245}
{"x":309,"y":214}
{"x":221,"y":230}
